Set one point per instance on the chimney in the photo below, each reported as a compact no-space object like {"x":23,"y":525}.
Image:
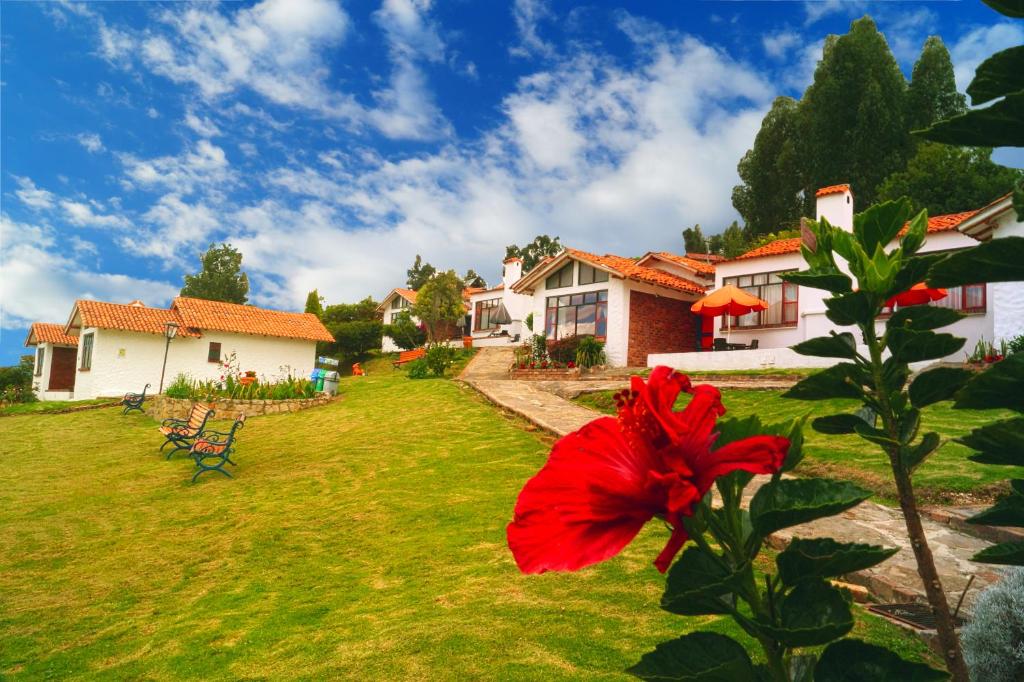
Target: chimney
{"x":835,"y":204}
{"x":512,"y":272}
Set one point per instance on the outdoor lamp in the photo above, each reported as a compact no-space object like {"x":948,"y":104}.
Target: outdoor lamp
{"x":170,"y":331}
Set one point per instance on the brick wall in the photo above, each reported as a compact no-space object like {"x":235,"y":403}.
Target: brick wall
{"x":659,"y":325}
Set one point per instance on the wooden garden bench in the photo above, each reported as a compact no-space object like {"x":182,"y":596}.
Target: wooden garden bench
{"x":212,"y":449}
{"x":133,"y":401}
{"x":183,"y":432}
{"x":408,"y":356}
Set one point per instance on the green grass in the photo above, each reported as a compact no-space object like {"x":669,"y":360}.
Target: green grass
{"x":362,"y":540}
{"x":50,"y":406}
{"x":946,"y":477}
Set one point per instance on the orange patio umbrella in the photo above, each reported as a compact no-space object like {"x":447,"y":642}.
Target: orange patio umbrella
{"x":729,"y":300}
{"x":917,"y":295}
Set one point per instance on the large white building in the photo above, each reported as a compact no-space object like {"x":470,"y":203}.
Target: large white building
{"x":486,"y":326}
{"x":109,"y":349}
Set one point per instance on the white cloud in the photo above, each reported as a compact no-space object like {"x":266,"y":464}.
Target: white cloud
{"x":152,"y":112}
{"x":42,"y":277}
{"x":528,"y":14}
{"x":409,"y":33}
{"x":979,"y":44}
{"x":82,"y":215}
{"x":780,"y":45}
{"x":204,"y":166}
{"x":33,"y":196}
{"x":201,"y":124}
{"x":176,"y":225}
{"x":91,"y":141}
{"x":815,"y":10}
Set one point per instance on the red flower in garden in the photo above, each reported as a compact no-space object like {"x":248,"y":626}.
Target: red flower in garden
{"x":601,"y":484}
{"x":916,"y":295}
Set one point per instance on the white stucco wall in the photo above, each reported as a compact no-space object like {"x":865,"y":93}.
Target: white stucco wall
{"x":41,"y":382}
{"x":1007,"y":298}
{"x":388,"y":344}
{"x":126,"y":361}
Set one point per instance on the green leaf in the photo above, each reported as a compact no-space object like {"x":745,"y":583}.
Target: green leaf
{"x":834,"y":346}
{"x":999,"y":75}
{"x":879,"y":224}
{"x":837,"y":423}
{"x":825,"y":558}
{"x":1011,"y":8}
{"x":1009,"y":553}
{"x":909,"y":345}
{"x":1001,"y":385}
{"x":1007,"y":511}
{"x":876,"y":436}
{"x":815,"y":612}
{"x":1004,"y":439}
{"x":937,"y":384}
{"x":695,"y":584}
{"x":838,"y":381}
{"x":851,"y":660}
{"x":913,"y":456}
{"x":698,"y":656}
{"x":916,"y":232}
{"x":999,"y":125}
{"x":837,"y":282}
{"x":792,"y":501}
{"x":999,"y":260}
{"x":853,"y":308}
{"x":920,"y":317}
{"x":913,"y":270}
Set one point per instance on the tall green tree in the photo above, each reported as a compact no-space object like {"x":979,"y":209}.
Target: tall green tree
{"x":419,"y":273}
{"x":932,"y":95}
{"x":772,"y":172}
{"x":946,"y":179}
{"x":315,"y":303}
{"x":853,"y":125}
{"x":221,"y":277}
{"x":355,"y":328}
{"x":734,"y":241}
{"x":540,"y":248}
{"x":439,"y":306}
{"x":694,"y":240}
{"x":471,"y":279}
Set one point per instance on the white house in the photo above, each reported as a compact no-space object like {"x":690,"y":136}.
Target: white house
{"x":637,"y":308}
{"x":121,"y":348}
{"x":999,"y":219}
{"x":397,"y":301}
{"x":798,"y":313}
{"x":485,"y":306}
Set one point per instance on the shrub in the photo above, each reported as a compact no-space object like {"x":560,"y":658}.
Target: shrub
{"x":180,"y":387}
{"x":994,"y":641}
{"x":529,"y":322}
{"x":539,"y":348}
{"x":1016,"y":344}
{"x":16,"y":382}
{"x":417,"y":369}
{"x":406,"y":334}
{"x":287,"y":388}
{"x":564,"y":350}
{"x":439,"y":359}
{"x":589,"y":352}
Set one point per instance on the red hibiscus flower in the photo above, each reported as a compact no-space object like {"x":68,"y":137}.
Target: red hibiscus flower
{"x":601,"y":484}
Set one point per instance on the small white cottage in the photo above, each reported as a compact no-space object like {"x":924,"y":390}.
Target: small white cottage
{"x":108,"y":349}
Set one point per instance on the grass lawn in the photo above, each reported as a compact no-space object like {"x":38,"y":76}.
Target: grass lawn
{"x":363,"y":539}
{"x":947,"y":477}
{"x":50,"y":406}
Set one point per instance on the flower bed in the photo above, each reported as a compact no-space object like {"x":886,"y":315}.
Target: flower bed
{"x":162,"y":407}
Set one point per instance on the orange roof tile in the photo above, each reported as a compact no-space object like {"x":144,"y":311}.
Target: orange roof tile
{"x":712,"y":257}
{"x":469,"y":291}
{"x":694,"y":263}
{"x":832,"y":189}
{"x":133,"y":318}
{"x":944,"y":223}
{"x":48,"y":332}
{"x":246,"y":319}
{"x":628,"y":268}
{"x":407,"y":294}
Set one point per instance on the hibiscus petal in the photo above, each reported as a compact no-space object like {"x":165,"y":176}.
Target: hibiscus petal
{"x":755,"y":455}
{"x":587,"y":503}
{"x":672,"y":547}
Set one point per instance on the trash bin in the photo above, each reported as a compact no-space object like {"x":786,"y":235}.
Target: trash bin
{"x":317,"y":377}
{"x":330,"y":383}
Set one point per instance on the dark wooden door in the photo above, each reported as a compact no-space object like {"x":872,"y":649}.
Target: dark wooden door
{"x":62,"y":369}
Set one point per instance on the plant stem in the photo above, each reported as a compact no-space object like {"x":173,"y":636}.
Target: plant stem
{"x":948,"y":639}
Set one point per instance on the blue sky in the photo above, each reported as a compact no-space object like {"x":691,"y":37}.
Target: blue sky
{"x":333,"y":141}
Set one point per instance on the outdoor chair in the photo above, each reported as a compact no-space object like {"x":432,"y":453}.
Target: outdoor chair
{"x":408,"y":356}
{"x":213,"y":449}
{"x":720,"y":344}
{"x":183,"y":432}
{"x":753,"y":345}
{"x":133,"y":401}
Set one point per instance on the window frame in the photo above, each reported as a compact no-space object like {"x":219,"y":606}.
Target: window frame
{"x":40,"y":359}
{"x":599,"y":276}
{"x":785,"y":303}
{"x":87,"y":341}
{"x":551,"y":324}
{"x":209,"y":352}
{"x":570,"y":267}
{"x":478,"y":308}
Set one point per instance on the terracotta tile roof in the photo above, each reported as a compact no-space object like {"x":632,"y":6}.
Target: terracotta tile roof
{"x":832,"y":189}
{"x":246,"y":319}
{"x":131,"y":317}
{"x":713,"y":257}
{"x":939,"y":223}
{"x":694,"y":263}
{"x":469,"y":291}
{"x":628,"y":268}
{"x":407,"y":294}
{"x":48,"y":332}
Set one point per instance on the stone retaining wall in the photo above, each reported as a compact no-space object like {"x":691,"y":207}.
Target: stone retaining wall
{"x":161,"y":407}
{"x":541,"y":374}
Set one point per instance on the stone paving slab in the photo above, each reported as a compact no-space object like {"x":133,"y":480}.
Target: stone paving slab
{"x":896,"y":579}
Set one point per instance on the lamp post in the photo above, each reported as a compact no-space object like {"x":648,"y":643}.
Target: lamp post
{"x":170,"y":331}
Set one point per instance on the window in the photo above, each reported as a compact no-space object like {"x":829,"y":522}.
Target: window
{"x":484,"y":310}
{"x":398,"y":302}
{"x":577,"y":314}
{"x":214,"y":354}
{"x":966,"y":299}
{"x":561,"y":279}
{"x":782,"y":299}
{"x":590,"y":274}
{"x":40,"y":355}
{"x":86,"y":351}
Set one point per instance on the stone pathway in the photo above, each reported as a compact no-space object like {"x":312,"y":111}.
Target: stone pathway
{"x":547,"y":404}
